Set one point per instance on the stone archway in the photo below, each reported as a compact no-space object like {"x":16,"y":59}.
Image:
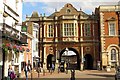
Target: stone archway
{"x":88,"y":63}
{"x":72,"y":56}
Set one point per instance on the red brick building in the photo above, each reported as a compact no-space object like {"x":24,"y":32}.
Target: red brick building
{"x":70,"y":32}
{"x":84,"y":41}
{"x":109,"y":34}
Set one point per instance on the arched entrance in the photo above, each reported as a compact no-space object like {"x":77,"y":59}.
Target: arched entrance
{"x":70,"y":56}
{"x":50,"y":61}
{"x":88,"y":63}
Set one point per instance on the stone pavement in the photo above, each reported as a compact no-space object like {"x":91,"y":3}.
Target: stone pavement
{"x":78,"y":74}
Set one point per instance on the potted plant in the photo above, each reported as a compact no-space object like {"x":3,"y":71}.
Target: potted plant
{"x":9,"y":46}
{"x":15,"y":49}
{"x":108,"y":68}
{"x":4,"y":47}
{"x":21,"y":49}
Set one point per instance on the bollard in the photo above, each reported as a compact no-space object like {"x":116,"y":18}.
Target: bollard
{"x":58,"y":69}
{"x":38,"y":74}
{"x":43,"y":72}
{"x":50,"y":70}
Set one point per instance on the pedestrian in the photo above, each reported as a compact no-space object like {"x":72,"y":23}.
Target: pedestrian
{"x":11,"y":73}
{"x":67,"y":67}
{"x":29,"y":68}
{"x":26,"y":71}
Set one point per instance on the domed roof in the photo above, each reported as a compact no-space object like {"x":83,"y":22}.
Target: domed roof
{"x":35,"y":14}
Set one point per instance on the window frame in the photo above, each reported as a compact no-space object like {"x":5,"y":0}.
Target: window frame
{"x":50,"y":30}
{"x":109,"y":28}
{"x":87,"y":29}
{"x":69,"y":30}
{"x":113,"y":55}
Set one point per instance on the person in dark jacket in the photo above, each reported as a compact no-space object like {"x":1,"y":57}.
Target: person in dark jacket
{"x":26,"y":71}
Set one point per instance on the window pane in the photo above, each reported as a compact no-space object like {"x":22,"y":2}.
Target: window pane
{"x":111,"y":29}
{"x":87,"y":30}
{"x":68,"y":29}
{"x":50,"y":30}
{"x":113,"y":54}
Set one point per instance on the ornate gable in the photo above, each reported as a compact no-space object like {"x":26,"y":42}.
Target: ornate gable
{"x":68,"y":9}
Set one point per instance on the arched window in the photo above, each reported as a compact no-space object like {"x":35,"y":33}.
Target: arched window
{"x":113,"y":54}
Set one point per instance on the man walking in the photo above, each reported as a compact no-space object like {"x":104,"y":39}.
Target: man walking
{"x":26,"y":71}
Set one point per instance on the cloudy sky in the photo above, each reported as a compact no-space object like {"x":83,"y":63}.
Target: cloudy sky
{"x":49,"y":6}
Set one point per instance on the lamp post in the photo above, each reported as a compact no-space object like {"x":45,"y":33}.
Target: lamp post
{"x":58,"y":58}
{"x":66,"y":54}
{"x":66,"y":60}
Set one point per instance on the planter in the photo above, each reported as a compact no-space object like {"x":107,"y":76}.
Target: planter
{"x":4,"y":48}
{"x":108,"y":68}
{"x":21,"y":49}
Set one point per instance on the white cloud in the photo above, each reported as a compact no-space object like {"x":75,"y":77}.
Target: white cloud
{"x":71,"y":0}
{"x":33,"y":3}
{"x":85,"y":5}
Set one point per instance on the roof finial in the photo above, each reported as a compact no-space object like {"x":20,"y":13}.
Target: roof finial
{"x":92,"y":13}
{"x":80,"y":9}
{"x":40,"y":15}
{"x":44,"y":14}
{"x":55,"y":10}
{"x":26,"y":15}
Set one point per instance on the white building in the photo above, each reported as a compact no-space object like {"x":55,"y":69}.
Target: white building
{"x":35,"y":41}
{"x":10,"y":25}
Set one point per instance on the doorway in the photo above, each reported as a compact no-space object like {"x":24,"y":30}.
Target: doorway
{"x":50,"y":61}
{"x":88,"y":63}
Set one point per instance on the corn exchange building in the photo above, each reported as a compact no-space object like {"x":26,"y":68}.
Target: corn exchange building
{"x":69,"y":36}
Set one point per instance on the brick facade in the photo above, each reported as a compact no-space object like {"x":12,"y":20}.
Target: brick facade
{"x":91,"y":45}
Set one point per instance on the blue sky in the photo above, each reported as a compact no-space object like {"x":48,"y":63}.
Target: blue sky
{"x":48,"y":7}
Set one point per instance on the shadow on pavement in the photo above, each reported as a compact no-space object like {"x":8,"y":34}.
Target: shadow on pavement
{"x":65,"y":79}
{"x":103,"y":75}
